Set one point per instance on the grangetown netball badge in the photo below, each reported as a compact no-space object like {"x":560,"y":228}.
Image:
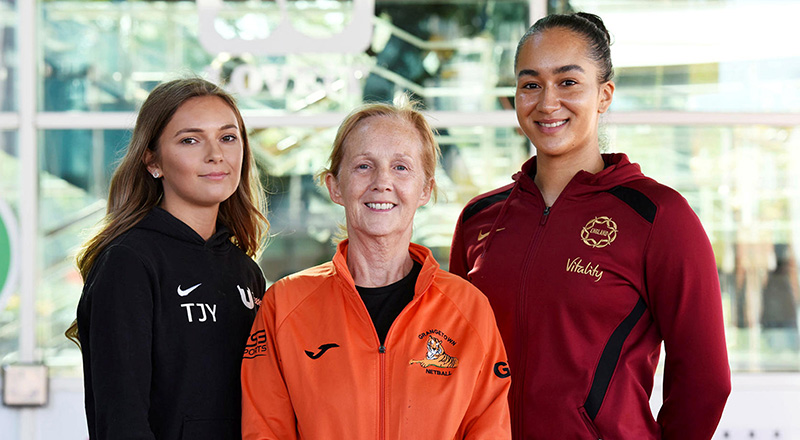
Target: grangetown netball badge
{"x":436,"y":357}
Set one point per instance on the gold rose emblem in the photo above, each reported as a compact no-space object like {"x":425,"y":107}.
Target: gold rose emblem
{"x":599,"y":232}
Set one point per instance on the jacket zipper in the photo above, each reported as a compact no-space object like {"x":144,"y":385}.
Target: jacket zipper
{"x":520,"y":388}
{"x":382,"y":406}
{"x":382,"y":357}
{"x":381,"y":373}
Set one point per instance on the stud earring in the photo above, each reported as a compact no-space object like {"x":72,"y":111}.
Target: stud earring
{"x":155,"y":174}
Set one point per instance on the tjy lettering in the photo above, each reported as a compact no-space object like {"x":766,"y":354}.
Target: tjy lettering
{"x":212,"y":309}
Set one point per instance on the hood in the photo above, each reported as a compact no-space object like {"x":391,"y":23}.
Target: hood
{"x":618,"y":171}
{"x":163,"y":222}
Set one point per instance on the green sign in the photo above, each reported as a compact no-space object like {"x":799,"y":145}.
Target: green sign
{"x":8,"y":255}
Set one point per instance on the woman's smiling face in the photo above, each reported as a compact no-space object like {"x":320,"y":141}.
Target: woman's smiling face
{"x":381,"y":181}
{"x":559,"y":98}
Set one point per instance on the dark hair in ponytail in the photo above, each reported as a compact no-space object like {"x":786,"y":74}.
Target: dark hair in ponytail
{"x":588,"y":26}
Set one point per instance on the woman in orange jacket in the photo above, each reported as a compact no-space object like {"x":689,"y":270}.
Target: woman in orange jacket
{"x":380,"y":342}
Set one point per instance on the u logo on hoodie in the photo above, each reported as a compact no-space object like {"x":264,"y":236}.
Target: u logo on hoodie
{"x":247,"y":297}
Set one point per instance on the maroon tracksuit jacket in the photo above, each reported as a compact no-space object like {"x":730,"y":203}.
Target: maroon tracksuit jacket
{"x":586,"y":290}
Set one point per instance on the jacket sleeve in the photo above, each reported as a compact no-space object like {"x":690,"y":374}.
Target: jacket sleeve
{"x":488,"y":416}
{"x":118,"y":303}
{"x":458,"y":252}
{"x":684,"y":297}
{"x":267,"y":412}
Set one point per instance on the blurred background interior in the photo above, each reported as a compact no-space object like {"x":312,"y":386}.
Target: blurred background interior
{"x":707,"y":101}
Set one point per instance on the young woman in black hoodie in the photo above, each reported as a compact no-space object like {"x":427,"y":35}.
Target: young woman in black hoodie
{"x":171,"y":287}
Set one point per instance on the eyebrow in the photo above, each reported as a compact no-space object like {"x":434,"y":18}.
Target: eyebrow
{"x":371,"y":156}
{"x":200,"y":130}
{"x":562,"y":69}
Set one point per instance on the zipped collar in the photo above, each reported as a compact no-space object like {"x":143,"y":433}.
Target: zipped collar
{"x":420,"y":254}
{"x":163,"y":222}
{"x":618,"y":171}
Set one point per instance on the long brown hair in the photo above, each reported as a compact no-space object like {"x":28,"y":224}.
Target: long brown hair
{"x":134,"y":192}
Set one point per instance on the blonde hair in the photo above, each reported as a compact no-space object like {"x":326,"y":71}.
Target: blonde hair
{"x":403,"y":109}
{"x":134,"y":192}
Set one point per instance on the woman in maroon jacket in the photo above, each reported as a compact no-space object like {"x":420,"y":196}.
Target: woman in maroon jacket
{"x":590,"y":265}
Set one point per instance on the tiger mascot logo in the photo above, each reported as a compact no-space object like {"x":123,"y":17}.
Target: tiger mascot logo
{"x":436,"y":356}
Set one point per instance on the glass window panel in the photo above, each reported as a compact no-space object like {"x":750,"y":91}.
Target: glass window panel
{"x":75,"y":167}
{"x":8,"y":58}
{"x":453,"y":56}
{"x":744,"y":184}
{"x":106,"y":56}
{"x":9,"y":198}
{"x":303,"y":219}
{"x":709,"y":56}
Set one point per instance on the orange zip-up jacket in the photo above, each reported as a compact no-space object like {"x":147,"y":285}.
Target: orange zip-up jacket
{"x":314,"y":367}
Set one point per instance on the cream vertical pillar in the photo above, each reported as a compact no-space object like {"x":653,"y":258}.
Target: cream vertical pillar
{"x":27,"y":51}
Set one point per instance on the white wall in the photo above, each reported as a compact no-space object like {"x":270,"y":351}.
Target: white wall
{"x":62,"y":418}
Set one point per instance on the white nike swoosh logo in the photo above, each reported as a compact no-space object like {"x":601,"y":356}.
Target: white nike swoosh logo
{"x":185,"y":292}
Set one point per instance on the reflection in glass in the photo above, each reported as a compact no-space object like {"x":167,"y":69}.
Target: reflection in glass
{"x":8,"y":58}
{"x":9,"y":195}
{"x":454,"y":56}
{"x":254,"y":21}
{"x":710,"y":56}
{"x":320,"y":18}
{"x":102,"y":56}
{"x":744,"y":184}
{"x":303,"y":219}
{"x":73,"y":182}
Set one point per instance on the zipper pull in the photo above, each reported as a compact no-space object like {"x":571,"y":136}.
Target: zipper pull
{"x":381,"y":349}
{"x":545,"y":215}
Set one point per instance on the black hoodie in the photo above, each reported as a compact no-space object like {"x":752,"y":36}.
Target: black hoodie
{"x":163,"y":320}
